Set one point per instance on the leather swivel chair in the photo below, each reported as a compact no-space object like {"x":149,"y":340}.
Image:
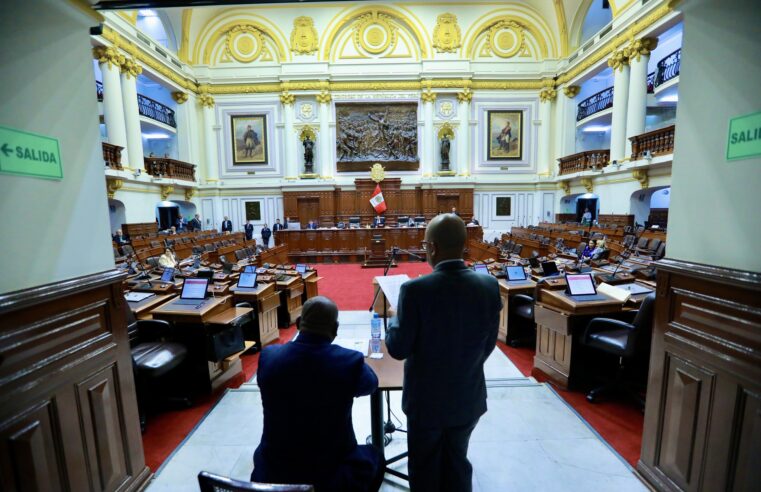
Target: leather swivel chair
{"x":209,"y":482}
{"x":153,"y":358}
{"x":517,"y":249}
{"x":629,"y":341}
{"x":521,"y":317}
{"x":153,"y":261}
{"x":250,"y":326}
{"x":127,"y":250}
{"x":241,"y":254}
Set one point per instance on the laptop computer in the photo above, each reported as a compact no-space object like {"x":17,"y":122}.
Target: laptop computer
{"x":168,"y":276}
{"x":549,"y":268}
{"x":249,"y":269}
{"x":301,"y":269}
{"x":515,"y":273}
{"x":193,"y":292}
{"x":246,"y":281}
{"x":581,"y":287}
{"x":205,"y":274}
{"x":481,"y":268}
{"x":534,"y":262}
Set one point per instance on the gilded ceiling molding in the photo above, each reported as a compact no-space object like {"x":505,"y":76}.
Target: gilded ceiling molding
{"x":128,"y":15}
{"x":571,"y":91}
{"x":631,"y":32}
{"x":246,"y":31}
{"x":562,"y":26}
{"x":508,"y":84}
{"x":180,"y":97}
{"x":640,"y":47}
{"x":182,"y":52}
{"x":368,"y":22}
{"x":304,"y":36}
{"x":446,"y":34}
{"x":506,"y":34}
{"x":148,"y":60}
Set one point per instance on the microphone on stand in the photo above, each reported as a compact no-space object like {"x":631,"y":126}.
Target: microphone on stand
{"x":396,"y":250}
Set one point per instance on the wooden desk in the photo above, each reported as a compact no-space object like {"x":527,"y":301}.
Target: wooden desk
{"x":266,"y":301}
{"x":184,"y":313}
{"x":560,"y":321}
{"x":142,"y":309}
{"x":310,"y":282}
{"x":506,"y":290}
{"x":290,"y":300}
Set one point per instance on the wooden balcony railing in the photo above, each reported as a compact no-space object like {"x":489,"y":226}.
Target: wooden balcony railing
{"x":595,"y":103}
{"x":584,"y":161}
{"x":668,"y":68}
{"x":658,"y":142}
{"x":163,"y":167}
{"x":112,"y":155}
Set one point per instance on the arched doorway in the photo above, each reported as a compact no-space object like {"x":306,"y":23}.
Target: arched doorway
{"x":572,"y":207}
{"x":166,"y":214}
{"x":117,"y":214}
{"x":650,"y":206}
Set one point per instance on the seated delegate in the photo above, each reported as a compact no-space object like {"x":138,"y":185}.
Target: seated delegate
{"x":307,"y":387}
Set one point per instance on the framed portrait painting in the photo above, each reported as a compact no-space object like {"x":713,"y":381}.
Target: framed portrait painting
{"x":249,"y":135}
{"x":505,"y":135}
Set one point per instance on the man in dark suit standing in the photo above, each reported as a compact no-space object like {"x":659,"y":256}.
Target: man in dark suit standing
{"x":249,"y":230}
{"x":195,"y":223}
{"x":227,"y":225}
{"x":266,"y":233}
{"x":446,"y":327}
{"x":308,"y":388}
{"x":277,"y":226}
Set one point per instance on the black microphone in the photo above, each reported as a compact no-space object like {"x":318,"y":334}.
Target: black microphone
{"x":397,"y":250}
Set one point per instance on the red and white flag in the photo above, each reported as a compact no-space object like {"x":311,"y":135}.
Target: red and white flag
{"x":377,"y":201}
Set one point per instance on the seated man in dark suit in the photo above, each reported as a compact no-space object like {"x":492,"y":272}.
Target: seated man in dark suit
{"x":307,"y":388}
{"x":446,"y":327}
{"x":120,"y":238}
{"x":379,"y":221}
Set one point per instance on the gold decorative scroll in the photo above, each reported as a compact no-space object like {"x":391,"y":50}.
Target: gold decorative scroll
{"x":446,"y":34}
{"x":304,"y":36}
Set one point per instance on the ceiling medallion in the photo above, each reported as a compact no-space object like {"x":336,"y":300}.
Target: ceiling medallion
{"x":506,"y":38}
{"x":245,"y":43}
{"x":375,"y":33}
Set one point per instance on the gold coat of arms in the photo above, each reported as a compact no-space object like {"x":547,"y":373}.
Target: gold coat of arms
{"x":304,"y":36}
{"x":446,"y":34}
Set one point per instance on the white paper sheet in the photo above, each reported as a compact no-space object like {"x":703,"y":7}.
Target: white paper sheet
{"x":390,"y":286}
{"x":361,"y":345}
{"x":137,"y":296}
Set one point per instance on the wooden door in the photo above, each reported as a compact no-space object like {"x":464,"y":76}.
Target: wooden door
{"x":309,"y":209}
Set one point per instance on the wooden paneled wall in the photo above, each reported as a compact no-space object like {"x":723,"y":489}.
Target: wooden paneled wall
{"x":340,"y":204}
{"x":68,"y":419}
{"x":703,"y":416}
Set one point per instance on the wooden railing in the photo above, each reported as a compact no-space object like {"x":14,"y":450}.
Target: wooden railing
{"x":658,"y":142}
{"x":595,"y":103}
{"x":163,"y":167}
{"x":668,"y":68}
{"x":112,"y":155}
{"x":584,"y":161}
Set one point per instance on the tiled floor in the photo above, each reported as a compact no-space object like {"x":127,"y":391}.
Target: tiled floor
{"x":529,"y":440}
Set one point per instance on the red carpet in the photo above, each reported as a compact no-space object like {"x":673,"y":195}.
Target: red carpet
{"x":350,"y":286}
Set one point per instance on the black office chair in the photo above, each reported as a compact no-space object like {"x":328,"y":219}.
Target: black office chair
{"x":250,"y":326}
{"x":217,"y":483}
{"x":517,"y":249}
{"x":241,"y":254}
{"x":629,"y":341}
{"x":154,"y":359}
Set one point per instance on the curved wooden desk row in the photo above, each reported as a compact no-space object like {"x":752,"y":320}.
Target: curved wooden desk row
{"x":337,"y":245}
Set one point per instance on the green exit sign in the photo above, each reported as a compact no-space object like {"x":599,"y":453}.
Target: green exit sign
{"x":744,"y":139}
{"x":29,"y":154}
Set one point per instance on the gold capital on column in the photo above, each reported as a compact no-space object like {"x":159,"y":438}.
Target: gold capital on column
{"x":112,"y":185}
{"x":180,"y":97}
{"x":618,"y":59}
{"x":324,"y":97}
{"x":571,"y":91}
{"x":131,"y":67}
{"x":428,"y":96}
{"x":206,"y":101}
{"x":639,"y":47}
{"x":548,"y":95}
{"x":641,"y":176}
{"x":465,"y":96}
{"x":166,"y":190}
{"x":287,"y":98}
{"x":189,"y":192}
{"x":566,"y":187}
{"x":108,"y":54}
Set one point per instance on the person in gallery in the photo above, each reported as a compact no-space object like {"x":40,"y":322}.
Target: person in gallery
{"x":308,"y":435}
{"x":449,"y":315}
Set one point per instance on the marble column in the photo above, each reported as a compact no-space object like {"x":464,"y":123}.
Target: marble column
{"x":565,"y":125}
{"x":326,"y":143}
{"x":463,"y":132}
{"x":639,"y":54}
{"x":620,"y":64}
{"x":130,"y":70}
{"x":110,"y":62}
{"x":289,"y":136}
{"x":209,"y":133}
{"x":427,"y":158}
{"x":544,"y":154}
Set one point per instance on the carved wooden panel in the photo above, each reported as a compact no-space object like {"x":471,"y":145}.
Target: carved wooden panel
{"x":702,"y":418}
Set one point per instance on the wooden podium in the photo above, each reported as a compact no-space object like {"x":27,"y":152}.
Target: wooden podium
{"x":377,"y":258}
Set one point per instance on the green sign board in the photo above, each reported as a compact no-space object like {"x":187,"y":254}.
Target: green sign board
{"x":744,"y":139}
{"x":29,"y":154}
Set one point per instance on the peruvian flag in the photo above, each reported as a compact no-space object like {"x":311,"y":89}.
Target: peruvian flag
{"x":377,"y":201}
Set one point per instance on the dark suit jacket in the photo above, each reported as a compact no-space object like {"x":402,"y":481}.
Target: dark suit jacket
{"x":277,"y":227}
{"x":266,"y":233}
{"x":227,"y":225}
{"x":249,"y":228}
{"x":313,"y":225}
{"x":446,"y":326}
{"x":308,"y":387}
{"x":195,"y":224}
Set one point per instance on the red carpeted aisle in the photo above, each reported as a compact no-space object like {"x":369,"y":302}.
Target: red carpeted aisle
{"x":350,"y":286}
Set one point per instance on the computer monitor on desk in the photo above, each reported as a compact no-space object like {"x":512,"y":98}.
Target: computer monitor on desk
{"x":353,"y":222}
{"x":247,"y":280}
{"x":403,"y":221}
{"x":168,"y":275}
{"x":481,"y":268}
{"x":194,"y":291}
{"x":419,"y":221}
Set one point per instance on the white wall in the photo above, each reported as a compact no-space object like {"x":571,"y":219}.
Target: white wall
{"x":713,"y":218}
{"x":55,"y":229}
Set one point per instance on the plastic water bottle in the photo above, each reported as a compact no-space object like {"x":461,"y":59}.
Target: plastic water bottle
{"x":375,"y":327}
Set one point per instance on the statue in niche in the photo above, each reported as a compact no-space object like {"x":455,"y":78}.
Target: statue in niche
{"x":445,"y":145}
{"x":308,"y":155}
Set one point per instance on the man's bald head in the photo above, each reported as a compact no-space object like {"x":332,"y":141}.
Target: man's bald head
{"x":319,"y":315}
{"x":445,"y":236}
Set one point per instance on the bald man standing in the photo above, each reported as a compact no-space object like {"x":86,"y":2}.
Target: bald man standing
{"x":308,"y":388}
{"x":446,"y":327}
